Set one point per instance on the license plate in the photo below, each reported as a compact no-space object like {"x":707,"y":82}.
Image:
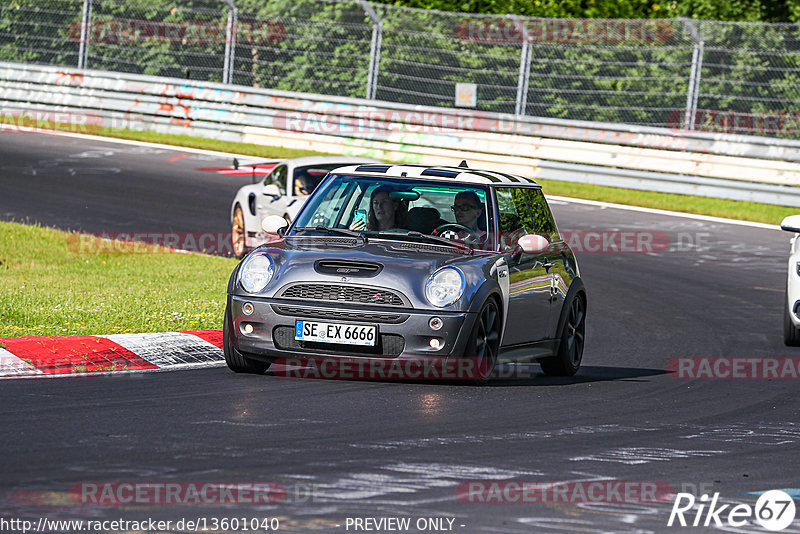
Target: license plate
{"x":345,"y":334}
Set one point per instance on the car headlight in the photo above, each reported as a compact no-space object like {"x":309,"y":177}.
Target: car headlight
{"x":256,"y":272}
{"x":445,"y":286}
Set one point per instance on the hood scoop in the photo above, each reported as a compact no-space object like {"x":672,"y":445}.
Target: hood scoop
{"x":347,"y":268}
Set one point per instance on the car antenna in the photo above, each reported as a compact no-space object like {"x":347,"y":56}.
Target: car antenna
{"x":463,"y":164}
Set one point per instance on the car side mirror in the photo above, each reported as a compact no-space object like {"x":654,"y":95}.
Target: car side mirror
{"x":274,"y":224}
{"x":533,"y":244}
{"x":272,"y":190}
{"x":529,"y":244}
{"x":791,"y":223}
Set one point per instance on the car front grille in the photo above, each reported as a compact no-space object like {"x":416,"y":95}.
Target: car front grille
{"x":389,"y":346}
{"x":323,"y":241}
{"x":342,"y":293}
{"x":340,"y":315}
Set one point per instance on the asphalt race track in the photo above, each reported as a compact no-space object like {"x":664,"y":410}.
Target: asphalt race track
{"x":352,"y":449}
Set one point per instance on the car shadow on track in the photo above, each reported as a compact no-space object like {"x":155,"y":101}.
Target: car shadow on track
{"x":504,"y":376}
{"x":532,"y":375}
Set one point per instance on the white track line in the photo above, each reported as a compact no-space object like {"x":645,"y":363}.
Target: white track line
{"x":667,"y":213}
{"x":175,"y":148}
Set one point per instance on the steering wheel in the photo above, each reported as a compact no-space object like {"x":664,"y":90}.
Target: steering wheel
{"x":459,"y":228}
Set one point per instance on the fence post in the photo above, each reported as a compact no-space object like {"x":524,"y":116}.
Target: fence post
{"x":83,"y":47}
{"x":374,"y":49}
{"x":694,"y":75}
{"x":524,"y":69}
{"x":230,"y":42}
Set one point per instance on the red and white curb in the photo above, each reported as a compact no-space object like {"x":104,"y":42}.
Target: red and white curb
{"x":40,"y":357}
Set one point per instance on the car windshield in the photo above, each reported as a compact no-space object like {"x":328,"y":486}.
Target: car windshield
{"x":306,"y":179}
{"x":400,"y":209}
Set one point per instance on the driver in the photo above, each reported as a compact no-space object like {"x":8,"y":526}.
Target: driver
{"x":301,"y":183}
{"x":468,"y":210}
{"x":470,"y":225}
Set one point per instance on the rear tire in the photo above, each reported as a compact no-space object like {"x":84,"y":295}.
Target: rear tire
{"x":570,"y":350}
{"x":484,"y":343}
{"x":791,"y":334}
{"x":236,"y":361}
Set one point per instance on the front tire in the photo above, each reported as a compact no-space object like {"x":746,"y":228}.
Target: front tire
{"x":484,"y":342}
{"x":236,"y":361}
{"x":570,"y":349}
{"x":791,"y":334}
{"x":238,"y":233}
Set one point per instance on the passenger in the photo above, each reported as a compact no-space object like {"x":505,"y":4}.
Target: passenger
{"x":385,"y":213}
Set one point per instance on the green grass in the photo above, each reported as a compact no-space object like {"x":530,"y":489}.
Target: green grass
{"x":732,"y":209}
{"x":49,"y":287}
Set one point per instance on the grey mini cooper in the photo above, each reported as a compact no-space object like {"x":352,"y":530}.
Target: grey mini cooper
{"x":407,"y":271}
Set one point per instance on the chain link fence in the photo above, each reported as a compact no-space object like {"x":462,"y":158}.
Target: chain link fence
{"x":685,"y":74}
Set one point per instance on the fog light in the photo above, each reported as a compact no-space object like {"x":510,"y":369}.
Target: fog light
{"x":435,"y":343}
{"x":435,"y":323}
{"x":247,"y":309}
{"x":248,"y":328}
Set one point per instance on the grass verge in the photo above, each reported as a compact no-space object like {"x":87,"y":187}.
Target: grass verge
{"x":717,"y":207}
{"x":732,"y":209}
{"x":49,"y":288}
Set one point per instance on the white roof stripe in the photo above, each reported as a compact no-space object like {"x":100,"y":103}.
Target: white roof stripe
{"x":464,"y":175}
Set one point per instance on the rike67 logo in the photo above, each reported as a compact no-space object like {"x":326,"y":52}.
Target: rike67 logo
{"x":774,"y":510}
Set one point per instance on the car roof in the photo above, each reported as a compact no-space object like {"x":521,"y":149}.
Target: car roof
{"x":425,"y":172}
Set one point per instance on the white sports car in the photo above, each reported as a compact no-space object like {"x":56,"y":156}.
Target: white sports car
{"x":282,"y":192}
{"x":791,"y":319}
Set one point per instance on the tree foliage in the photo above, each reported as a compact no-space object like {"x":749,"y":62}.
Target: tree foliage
{"x":728,"y":10}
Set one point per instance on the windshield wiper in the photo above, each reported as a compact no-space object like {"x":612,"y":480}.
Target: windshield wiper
{"x":435,"y":239}
{"x":330,"y":230}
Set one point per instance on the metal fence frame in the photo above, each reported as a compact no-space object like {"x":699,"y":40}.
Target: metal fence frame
{"x":374,"y":60}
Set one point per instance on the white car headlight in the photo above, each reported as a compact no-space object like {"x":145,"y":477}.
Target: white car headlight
{"x":256,"y":272}
{"x":445,"y":286}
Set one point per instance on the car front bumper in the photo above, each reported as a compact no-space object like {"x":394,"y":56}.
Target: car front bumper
{"x":404,"y":333}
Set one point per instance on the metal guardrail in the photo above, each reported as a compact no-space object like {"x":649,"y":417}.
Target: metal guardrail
{"x":737,"y":167}
{"x":692,"y":74}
